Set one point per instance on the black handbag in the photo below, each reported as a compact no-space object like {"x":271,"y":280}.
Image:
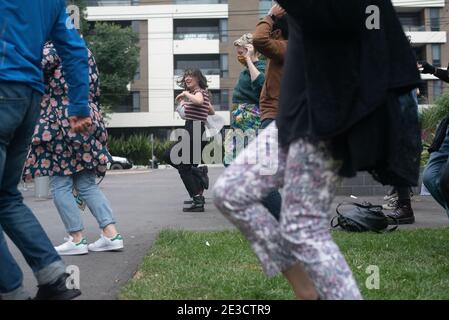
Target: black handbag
{"x":362,"y":218}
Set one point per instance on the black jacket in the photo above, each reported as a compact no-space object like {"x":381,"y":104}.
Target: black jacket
{"x":342,"y":82}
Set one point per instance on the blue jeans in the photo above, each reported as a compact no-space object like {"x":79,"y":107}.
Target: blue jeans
{"x":273,"y":201}
{"x":436,"y":175}
{"x":84,"y":182}
{"x":19,"y":110}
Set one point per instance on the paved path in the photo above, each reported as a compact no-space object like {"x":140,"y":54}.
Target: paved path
{"x":145,"y":203}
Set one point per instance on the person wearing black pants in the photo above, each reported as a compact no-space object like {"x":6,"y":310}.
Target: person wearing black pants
{"x":196,"y":106}
{"x":194,"y":178}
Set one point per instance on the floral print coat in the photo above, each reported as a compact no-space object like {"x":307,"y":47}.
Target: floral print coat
{"x":56,"y":150}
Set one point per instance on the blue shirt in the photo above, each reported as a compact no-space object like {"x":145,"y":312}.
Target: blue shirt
{"x":25,"y":26}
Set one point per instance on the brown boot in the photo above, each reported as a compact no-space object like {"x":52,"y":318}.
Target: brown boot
{"x":403,"y":213}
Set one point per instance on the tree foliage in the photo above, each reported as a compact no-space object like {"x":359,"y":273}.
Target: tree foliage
{"x":116,"y":51}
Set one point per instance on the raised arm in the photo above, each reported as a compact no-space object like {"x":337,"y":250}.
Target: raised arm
{"x":441,"y":74}
{"x":270,"y":48}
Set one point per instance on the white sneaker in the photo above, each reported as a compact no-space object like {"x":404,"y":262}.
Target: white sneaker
{"x":106,"y":244}
{"x":70,"y":248}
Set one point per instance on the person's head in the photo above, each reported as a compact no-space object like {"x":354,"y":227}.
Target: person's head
{"x":241,"y":45}
{"x":193,"y":79}
{"x":280,"y":28}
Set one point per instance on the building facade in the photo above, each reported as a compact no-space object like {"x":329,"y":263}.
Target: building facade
{"x":176,"y":34}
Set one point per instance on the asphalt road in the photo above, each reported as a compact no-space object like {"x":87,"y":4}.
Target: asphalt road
{"x":145,"y":203}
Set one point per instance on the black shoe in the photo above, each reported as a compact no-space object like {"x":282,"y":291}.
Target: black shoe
{"x":57,"y":290}
{"x":403,"y":214}
{"x":197,"y":205}
{"x":188,"y":202}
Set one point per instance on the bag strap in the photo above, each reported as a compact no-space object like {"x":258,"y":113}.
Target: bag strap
{"x":332,"y":223}
{"x":366,"y":206}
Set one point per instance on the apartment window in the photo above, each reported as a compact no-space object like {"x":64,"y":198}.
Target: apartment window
{"x":224,"y":62}
{"x":220,"y":99}
{"x":224,"y":30}
{"x":264,"y":7}
{"x":224,"y":100}
{"x":104,"y":3}
{"x":412,"y":21}
{"x":203,"y":29}
{"x":137,"y":75}
{"x":136,"y":101}
{"x":436,"y":55}
{"x":209,"y":64}
{"x":200,"y":1}
{"x":437,"y":89}
{"x":434,"y":19}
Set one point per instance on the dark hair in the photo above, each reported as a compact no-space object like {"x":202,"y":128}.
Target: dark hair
{"x":281,"y":23}
{"x":196,"y":73}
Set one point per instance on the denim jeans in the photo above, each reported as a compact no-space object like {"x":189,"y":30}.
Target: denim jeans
{"x":84,"y":182}
{"x":436,"y":175}
{"x":19,"y":110}
{"x":273,"y":201}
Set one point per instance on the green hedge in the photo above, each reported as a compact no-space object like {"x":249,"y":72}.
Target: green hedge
{"x":137,"y":148}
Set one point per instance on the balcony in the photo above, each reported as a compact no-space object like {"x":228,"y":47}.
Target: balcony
{"x":197,"y":45}
{"x":106,"y":3}
{"x":419,"y":3}
{"x":200,"y":1}
{"x":428,"y":37}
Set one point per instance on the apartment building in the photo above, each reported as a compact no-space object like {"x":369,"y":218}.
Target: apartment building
{"x":427,"y":23}
{"x":175,"y":34}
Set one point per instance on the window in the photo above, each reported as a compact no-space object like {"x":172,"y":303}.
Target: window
{"x":220,"y":99}
{"x":136,"y":101}
{"x":103,"y":3}
{"x":412,"y":21}
{"x":200,"y":1}
{"x":224,"y":30}
{"x":209,"y":64}
{"x":224,"y":65}
{"x":434,"y":19}
{"x":436,"y":55}
{"x":437,"y":89}
{"x":264,"y":7}
{"x":203,"y":29}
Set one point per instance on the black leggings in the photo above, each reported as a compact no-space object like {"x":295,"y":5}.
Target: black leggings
{"x":187,"y":170}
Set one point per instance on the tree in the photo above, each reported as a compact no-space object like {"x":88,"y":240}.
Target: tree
{"x":117,"y":54}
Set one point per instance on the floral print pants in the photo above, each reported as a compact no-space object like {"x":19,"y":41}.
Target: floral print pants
{"x":309,"y":178}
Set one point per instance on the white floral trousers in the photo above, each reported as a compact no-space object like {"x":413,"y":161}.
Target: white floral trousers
{"x":309,"y":178}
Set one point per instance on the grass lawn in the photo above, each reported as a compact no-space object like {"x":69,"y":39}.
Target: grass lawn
{"x":221,"y":265}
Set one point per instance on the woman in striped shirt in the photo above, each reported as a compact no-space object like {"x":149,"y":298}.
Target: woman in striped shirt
{"x":196,"y":102}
